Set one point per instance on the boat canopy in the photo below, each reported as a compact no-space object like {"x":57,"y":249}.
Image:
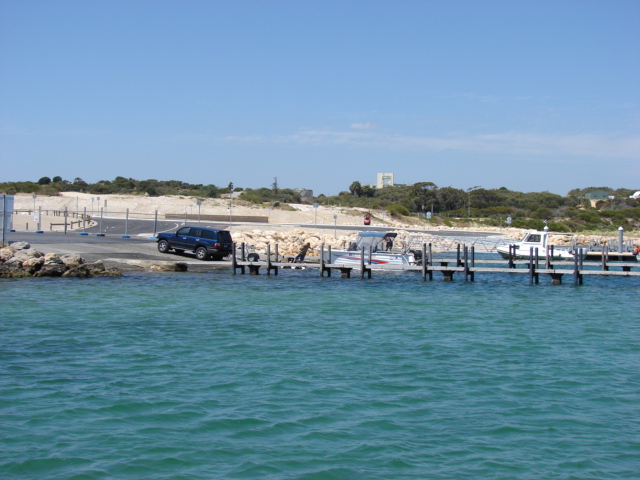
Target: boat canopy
{"x":376,"y":240}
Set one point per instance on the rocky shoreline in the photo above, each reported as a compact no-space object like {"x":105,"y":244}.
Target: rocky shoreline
{"x":20,"y":260}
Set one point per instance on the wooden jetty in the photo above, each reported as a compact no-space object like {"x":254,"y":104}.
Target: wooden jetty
{"x":464,"y":264}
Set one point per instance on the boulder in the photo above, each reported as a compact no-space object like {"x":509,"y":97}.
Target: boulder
{"x":25,"y":254}
{"x":6,"y":253}
{"x":79,"y":271}
{"x":13,"y":269}
{"x":52,"y":258}
{"x":96,"y":268}
{"x":20,"y":245}
{"x":51,"y":270}
{"x":32,"y":265}
{"x":110,"y":272}
{"x":72,"y":260}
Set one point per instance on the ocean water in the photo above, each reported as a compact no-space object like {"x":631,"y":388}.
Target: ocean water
{"x":214,"y":376}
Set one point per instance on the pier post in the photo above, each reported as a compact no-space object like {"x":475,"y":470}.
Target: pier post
{"x":424,"y":262}
{"x":268,"y":259}
{"x":322,"y":260}
{"x":458,"y":261}
{"x":577,"y":276}
{"x":473,"y":262}
{"x":328,"y":269}
{"x":430,"y":263}
{"x":531,"y":268}
{"x":275,"y":267}
{"x":234,"y":263}
{"x":604,"y":259}
{"x":466,"y":264}
{"x":512,"y":249}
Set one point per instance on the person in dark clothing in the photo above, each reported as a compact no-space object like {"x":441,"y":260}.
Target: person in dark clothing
{"x":303,"y":252}
{"x":388,"y":244}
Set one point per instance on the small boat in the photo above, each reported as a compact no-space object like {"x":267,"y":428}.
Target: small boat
{"x":540,"y":240}
{"x":378,"y":252}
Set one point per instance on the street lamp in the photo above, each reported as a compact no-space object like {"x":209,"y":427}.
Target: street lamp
{"x":469,"y":190}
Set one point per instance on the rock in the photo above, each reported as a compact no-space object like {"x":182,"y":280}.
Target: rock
{"x":52,"y":258}
{"x":51,"y":270}
{"x":32,"y":265}
{"x":12,"y":269}
{"x":79,"y":271}
{"x":6,"y":253}
{"x":111,"y":272}
{"x":20,"y":245}
{"x":72,"y":260}
{"x":25,"y":254}
{"x":96,"y":268}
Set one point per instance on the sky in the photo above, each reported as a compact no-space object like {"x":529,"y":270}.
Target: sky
{"x":529,"y":95}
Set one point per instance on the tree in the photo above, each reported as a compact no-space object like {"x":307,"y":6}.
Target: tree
{"x":355,"y":188}
{"x":368,"y":191}
{"x":44,"y":181}
{"x":56,"y":179}
{"x":274,"y":185}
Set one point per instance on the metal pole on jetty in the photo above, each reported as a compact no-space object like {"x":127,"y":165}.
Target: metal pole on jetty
{"x":155,"y":224}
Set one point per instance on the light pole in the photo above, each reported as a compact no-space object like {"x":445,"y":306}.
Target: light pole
{"x":469,"y":190}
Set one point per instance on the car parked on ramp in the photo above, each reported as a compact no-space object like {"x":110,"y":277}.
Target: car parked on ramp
{"x":205,"y":242}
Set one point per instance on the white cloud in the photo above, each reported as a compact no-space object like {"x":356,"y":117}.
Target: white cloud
{"x":363,"y":126}
{"x":508,"y":143}
{"x":597,"y":146}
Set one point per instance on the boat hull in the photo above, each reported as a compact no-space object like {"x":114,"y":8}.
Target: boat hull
{"x":523,"y":253}
{"x":378,"y":259}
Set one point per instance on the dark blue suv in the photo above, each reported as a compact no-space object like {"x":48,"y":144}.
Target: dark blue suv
{"x":204,"y":242}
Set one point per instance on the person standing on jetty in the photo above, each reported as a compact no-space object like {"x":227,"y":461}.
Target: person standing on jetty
{"x":303,"y":252}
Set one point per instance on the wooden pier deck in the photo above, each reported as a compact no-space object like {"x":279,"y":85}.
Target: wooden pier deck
{"x":464,"y":264}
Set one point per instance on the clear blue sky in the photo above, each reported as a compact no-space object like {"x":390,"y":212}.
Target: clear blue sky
{"x":530,"y":95}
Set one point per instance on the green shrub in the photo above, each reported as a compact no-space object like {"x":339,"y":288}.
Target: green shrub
{"x":397,"y":211}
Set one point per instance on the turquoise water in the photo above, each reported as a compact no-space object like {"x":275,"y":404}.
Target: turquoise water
{"x":213,"y":376}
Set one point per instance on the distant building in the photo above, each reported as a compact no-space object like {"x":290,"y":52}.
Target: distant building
{"x":636,"y":195}
{"x":385,"y":180}
{"x":597,"y":195}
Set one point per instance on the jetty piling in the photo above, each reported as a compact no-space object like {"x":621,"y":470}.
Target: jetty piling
{"x":464,"y":262}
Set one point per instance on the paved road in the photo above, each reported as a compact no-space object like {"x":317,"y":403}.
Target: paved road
{"x":139,"y":227}
{"x":140,"y":232}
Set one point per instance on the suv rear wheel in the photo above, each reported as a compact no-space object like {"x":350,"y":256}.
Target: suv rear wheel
{"x":202,"y":254}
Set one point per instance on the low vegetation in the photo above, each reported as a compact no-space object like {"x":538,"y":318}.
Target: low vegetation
{"x":447,"y":205}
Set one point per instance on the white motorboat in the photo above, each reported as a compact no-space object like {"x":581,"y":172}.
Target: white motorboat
{"x":540,"y":240}
{"x":378,"y":252}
